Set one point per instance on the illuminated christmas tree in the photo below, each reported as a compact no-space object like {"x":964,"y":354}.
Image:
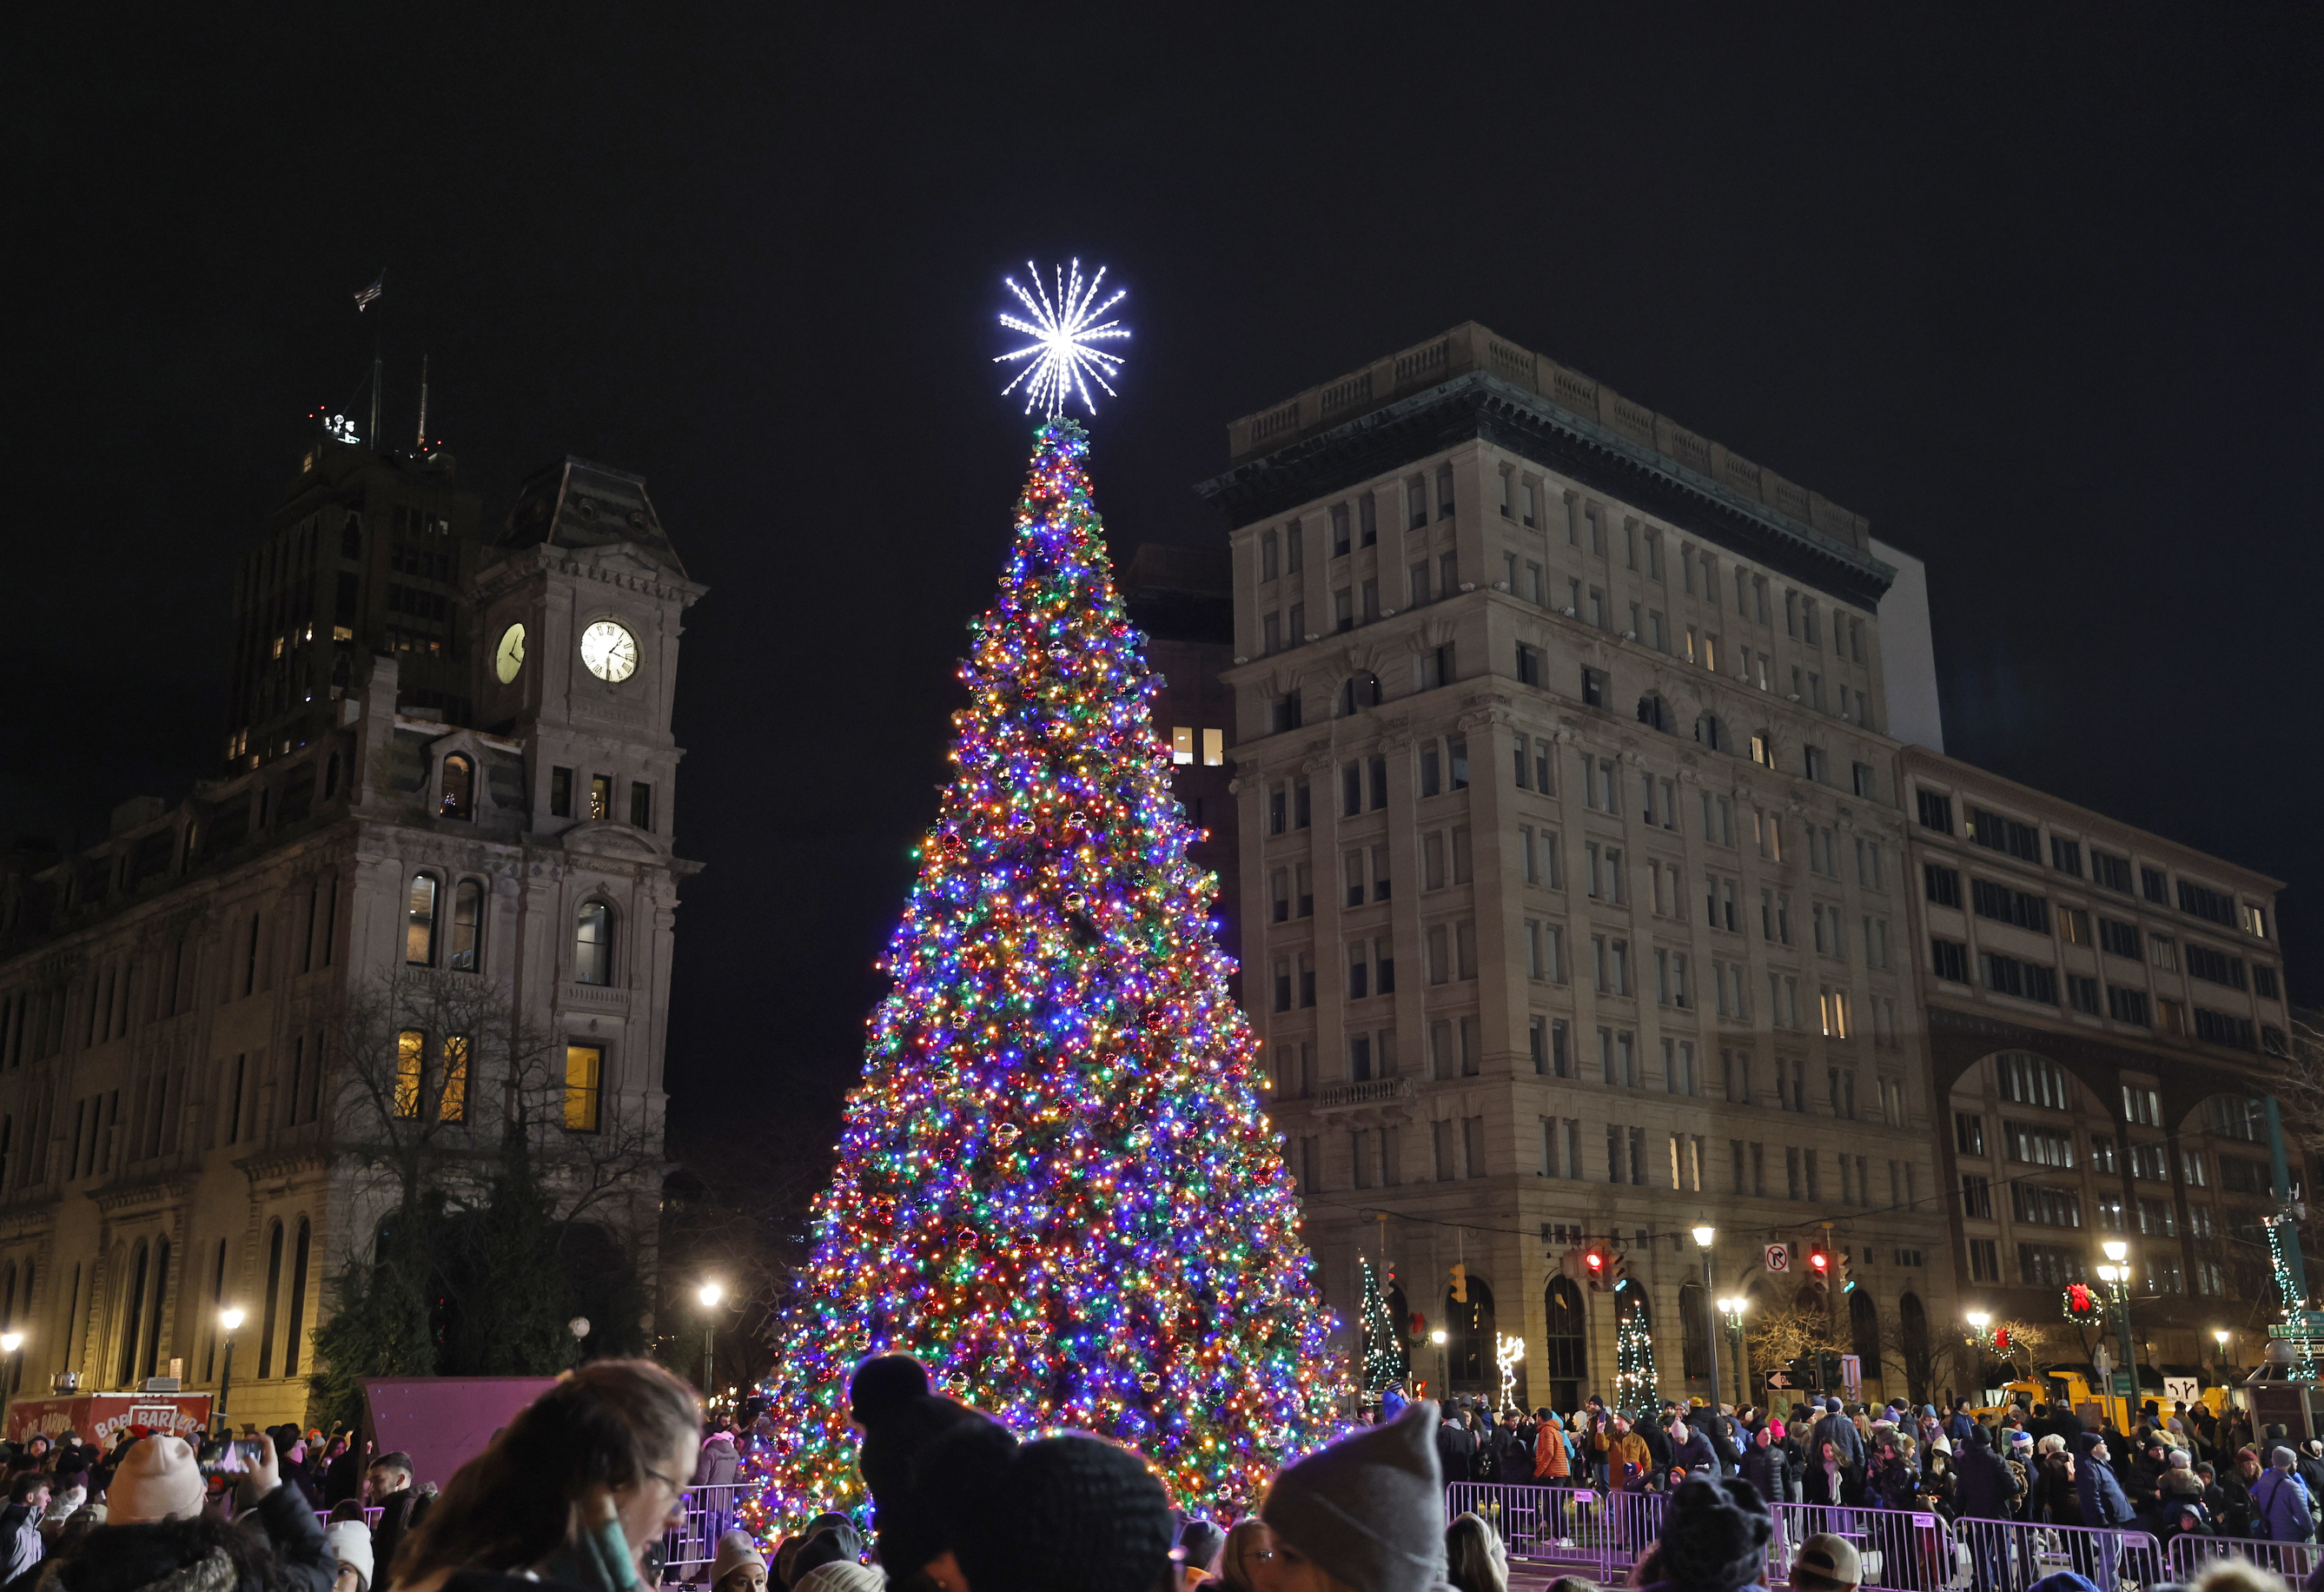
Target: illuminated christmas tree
{"x":1055,"y":1185}
{"x":1384,"y":1362}
{"x":1635,"y":1378}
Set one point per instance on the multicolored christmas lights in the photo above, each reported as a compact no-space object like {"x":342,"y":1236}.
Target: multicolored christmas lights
{"x":1055,"y":1182}
{"x":1384,"y":1357}
{"x":1634,"y":1377}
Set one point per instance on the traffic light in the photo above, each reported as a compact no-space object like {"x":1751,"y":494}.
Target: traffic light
{"x":1839,"y":1270}
{"x":1817,"y":1286}
{"x":1459,"y":1282}
{"x":1593,"y":1268}
{"x":1617,"y":1268}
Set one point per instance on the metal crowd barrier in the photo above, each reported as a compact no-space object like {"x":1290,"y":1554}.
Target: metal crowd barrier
{"x":1908,"y":1551}
{"x":710,"y":1513}
{"x":2005,"y":1554}
{"x":1573,"y":1525}
{"x":2191,"y":1556}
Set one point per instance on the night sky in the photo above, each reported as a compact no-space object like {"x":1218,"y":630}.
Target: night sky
{"x":2037,"y":293}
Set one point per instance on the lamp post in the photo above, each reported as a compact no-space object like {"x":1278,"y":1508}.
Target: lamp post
{"x":2220,"y":1337}
{"x":1704,"y":1235}
{"x":710,"y":1295}
{"x":228,"y":1319}
{"x":1733,"y":1308}
{"x":10,"y":1342}
{"x":1443,"y":1378}
{"x":579,"y":1328}
{"x":2118,"y":1252}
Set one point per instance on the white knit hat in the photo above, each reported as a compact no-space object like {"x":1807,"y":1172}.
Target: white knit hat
{"x":350,"y":1545}
{"x":157,"y":1480}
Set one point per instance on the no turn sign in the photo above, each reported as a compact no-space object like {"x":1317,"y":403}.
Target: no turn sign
{"x":1779,"y":1257}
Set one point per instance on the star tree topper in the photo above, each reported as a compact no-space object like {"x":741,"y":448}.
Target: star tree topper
{"x":1063,"y":327}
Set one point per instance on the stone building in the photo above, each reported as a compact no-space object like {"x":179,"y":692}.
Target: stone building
{"x":174,"y":1110}
{"x":2102,"y":1006}
{"x":1575,"y":894}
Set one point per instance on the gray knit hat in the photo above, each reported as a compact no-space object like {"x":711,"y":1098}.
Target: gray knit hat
{"x":1715,"y":1535}
{"x":1369,"y":1509}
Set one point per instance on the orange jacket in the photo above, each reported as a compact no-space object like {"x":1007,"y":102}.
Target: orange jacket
{"x":1549,"y":1452}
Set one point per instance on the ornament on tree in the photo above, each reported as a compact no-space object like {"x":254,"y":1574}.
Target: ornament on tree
{"x":985,"y":1214}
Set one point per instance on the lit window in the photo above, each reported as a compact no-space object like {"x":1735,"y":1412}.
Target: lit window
{"x":601,"y":796}
{"x":593,"y":945}
{"x":459,"y":787}
{"x":1214,"y":748}
{"x":584,"y":1068}
{"x":1182,"y":745}
{"x":420,"y":931}
{"x":410,"y":1061}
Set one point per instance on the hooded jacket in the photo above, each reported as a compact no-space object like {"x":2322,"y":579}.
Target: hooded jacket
{"x":2280,"y":1502}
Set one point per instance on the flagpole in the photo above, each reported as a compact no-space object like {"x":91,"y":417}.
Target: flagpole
{"x":376,"y":441}
{"x":423,"y":406}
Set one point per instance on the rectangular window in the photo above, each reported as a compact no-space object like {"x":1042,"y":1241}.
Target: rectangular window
{"x":1976,"y":1196}
{"x":585,"y":1070}
{"x":2127,"y":1006}
{"x":560,"y":792}
{"x":2120,"y":939}
{"x":2082,"y":993}
{"x":1969,"y":1132}
{"x":2004,"y":905}
{"x":1948,"y":960}
{"x":2026,"y":980}
{"x":1936,"y":811}
{"x":641,"y":805}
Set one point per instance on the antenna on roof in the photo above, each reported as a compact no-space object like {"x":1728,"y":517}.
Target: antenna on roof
{"x":423,"y":405}
{"x":373,"y":433}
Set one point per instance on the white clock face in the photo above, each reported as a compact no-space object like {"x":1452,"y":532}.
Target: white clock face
{"x":610,"y":652}
{"x":508,"y":658}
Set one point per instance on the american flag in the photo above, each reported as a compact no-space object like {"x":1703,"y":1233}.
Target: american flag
{"x":364,"y":296}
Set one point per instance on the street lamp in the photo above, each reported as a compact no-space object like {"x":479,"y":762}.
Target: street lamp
{"x":229,"y":1320}
{"x":1443,"y":1377}
{"x":2117,"y":1276}
{"x":710,"y":1295}
{"x":1733,"y":1308}
{"x":579,"y":1328}
{"x":10,"y":1342}
{"x":2220,"y":1337}
{"x":1704,"y":1235}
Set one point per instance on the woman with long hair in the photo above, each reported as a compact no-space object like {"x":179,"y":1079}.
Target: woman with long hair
{"x":573,"y":1491}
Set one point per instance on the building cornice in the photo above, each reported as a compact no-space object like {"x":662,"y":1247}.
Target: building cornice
{"x":115,"y":1198}
{"x":1480,"y":406}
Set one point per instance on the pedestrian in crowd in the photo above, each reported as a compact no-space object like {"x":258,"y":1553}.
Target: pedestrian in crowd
{"x":20,"y":1543}
{"x":349,"y":1541}
{"x":1455,"y":1448}
{"x":1827,"y":1563}
{"x":2104,"y":1504}
{"x":2281,"y":1503}
{"x":1831,"y":1482}
{"x":1689,"y":1451}
{"x":1630,"y":1464}
{"x":1475,"y":1560}
{"x":1714,"y":1538}
{"x":1247,"y":1563}
{"x":738,"y":1565}
{"x":1364,"y":1513}
{"x":157,"y":1533}
{"x":401,"y":1506}
{"x":1895,"y":1482}
{"x":2228,"y":1498}
{"x":1763,"y":1466}
{"x":574,"y":1490}
{"x":1201,"y":1543}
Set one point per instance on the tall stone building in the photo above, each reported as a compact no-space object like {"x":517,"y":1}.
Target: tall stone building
{"x":1574,"y":893}
{"x":449,"y":760}
{"x":2102,"y":1006}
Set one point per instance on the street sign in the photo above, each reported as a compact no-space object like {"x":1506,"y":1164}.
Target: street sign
{"x":2123,"y":1385}
{"x":1777,"y":1379}
{"x":1779,"y":1257}
{"x":1851,"y":1375}
{"x":2184,"y":1390}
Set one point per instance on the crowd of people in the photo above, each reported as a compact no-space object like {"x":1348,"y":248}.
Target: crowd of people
{"x":2188,"y":1471}
{"x":582,"y":1491}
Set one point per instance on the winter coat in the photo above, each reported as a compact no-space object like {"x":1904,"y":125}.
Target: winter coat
{"x":1454,"y":1448}
{"x":198,"y":1555}
{"x":1764,"y":1469}
{"x":2230,"y":1505}
{"x":1984,"y":1486}
{"x":1549,"y":1457}
{"x":716,"y":1468}
{"x":21,"y":1546}
{"x":1657,"y":1442}
{"x":2104,"y":1503}
{"x":1820,"y":1486}
{"x":1840,"y":1432}
{"x":2057,"y":1501}
{"x":1694,"y":1454}
{"x":397,"y":1517}
{"x":1895,"y":1484}
{"x":1628,"y":1461}
{"x":2280,"y":1502}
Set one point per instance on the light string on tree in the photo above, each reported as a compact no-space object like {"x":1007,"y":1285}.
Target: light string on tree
{"x":1055,"y":1184}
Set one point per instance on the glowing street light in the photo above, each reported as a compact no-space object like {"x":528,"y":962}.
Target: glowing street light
{"x":1704,"y":1235}
{"x":228,"y":1319}
{"x":710,"y":1293}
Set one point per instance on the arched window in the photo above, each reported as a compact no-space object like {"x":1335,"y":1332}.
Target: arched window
{"x":1694,"y":1316}
{"x":467,"y":924}
{"x":1568,"y":1344}
{"x":1913,"y":1329}
{"x":411,"y":1068}
{"x":419,"y":929}
{"x":291,"y":1344}
{"x":1763,"y":748}
{"x":1469,"y":1354}
{"x":1864,"y":1330}
{"x":1654,"y":712}
{"x":157,"y":1313}
{"x":592,"y":944}
{"x":132,"y":1324}
{"x":1706,"y":730}
{"x":459,"y":787}
{"x":273,"y":1300}
{"x":1362,"y":690}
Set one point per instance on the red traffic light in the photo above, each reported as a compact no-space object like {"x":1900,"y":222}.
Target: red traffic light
{"x":1819,"y":1262}
{"x":1595,"y":1261}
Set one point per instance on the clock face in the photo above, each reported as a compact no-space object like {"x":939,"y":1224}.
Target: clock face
{"x":509,"y":656}
{"x":610,"y":652}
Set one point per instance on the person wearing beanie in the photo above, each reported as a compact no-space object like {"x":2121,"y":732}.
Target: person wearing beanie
{"x":157,"y":1531}
{"x":1714,"y":1538}
{"x":1200,"y":1544}
{"x":350,"y":1545}
{"x":840,"y":1577}
{"x":1071,"y":1513}
{"x":891,"y":1400}
{"x":954,"y":1484}
{"x":738,"y":1565}
{"x":2281,"y":1503}
{"x":834,"y":1544}
{"x":1365,"y":1512}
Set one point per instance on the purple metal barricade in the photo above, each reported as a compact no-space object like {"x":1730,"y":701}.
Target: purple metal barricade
{"x":2003,"y":1555}
{"x":1910,"y":1550}
{"x":2191,"y":1556}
